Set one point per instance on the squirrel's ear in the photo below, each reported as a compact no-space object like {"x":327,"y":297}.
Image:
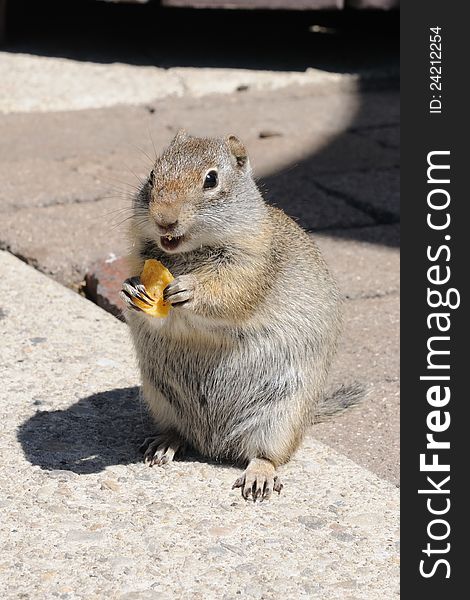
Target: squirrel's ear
{"x":180,"y":136}
{"x":238,"y":150}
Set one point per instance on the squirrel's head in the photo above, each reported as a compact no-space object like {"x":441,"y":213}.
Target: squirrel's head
{"x":200,"y":192}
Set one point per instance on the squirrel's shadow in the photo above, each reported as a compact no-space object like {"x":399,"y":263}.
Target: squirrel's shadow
{"x":98,"y":431}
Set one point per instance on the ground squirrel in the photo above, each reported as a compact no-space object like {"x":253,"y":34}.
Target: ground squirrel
{"x":238,"y":368}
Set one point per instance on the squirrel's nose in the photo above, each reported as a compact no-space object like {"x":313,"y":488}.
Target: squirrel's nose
{"x":165,"y":216}
{"x":166,"y":225}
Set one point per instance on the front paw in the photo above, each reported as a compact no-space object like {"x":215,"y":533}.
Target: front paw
{"x":181,"y":290}
{"x":133,"y":289}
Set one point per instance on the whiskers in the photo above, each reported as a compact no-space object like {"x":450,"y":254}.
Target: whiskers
{"x":147,"y":156}
{"x":129,"y":194}
{"x":123,"y":214}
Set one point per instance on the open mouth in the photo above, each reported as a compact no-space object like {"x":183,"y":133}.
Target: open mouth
{"x":170,"y":242}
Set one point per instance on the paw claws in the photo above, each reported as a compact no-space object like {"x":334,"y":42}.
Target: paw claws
{"x":257,"y":486}
{"x":238,"y":483}
{"x":180,"y":290}
{"x":160,"y":450}
{"x":278,"y":485}
{"x":127,"y":299}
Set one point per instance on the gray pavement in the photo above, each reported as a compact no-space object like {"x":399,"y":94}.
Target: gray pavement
{"x":82,"y":517}
{"x":369,"y":350}
{"x":68,"y":175}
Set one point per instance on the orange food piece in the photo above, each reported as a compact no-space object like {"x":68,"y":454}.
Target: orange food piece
{"x":155,"y":277}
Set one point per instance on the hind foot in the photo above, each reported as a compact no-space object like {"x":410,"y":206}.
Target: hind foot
{"x":259,"y":480}
{"x":161,"y":449}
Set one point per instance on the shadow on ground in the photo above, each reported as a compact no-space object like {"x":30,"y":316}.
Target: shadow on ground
{"x":350,"y":186}
{"x":98,"y":431}
{"x":147,"y":34}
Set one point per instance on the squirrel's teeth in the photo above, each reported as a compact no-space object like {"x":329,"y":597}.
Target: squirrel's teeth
{"x":169,"y":237}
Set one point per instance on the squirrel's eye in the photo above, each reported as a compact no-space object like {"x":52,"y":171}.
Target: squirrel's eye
{"x":152,"y":177}
{"x":210,"y":181}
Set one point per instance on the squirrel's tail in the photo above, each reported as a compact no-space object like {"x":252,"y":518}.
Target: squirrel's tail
{"x":339,"y":400}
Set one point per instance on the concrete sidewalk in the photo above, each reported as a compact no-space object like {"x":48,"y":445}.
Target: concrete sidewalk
{"x":82,"y":517}
{"x":83,"y":85}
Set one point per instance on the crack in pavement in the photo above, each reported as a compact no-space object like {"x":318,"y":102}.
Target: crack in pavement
{"x":372,"y":296}
{"x":54,"y":203}
{"x":380,"y":215}
{"x":33,"y":262}
{"x":380,"y":143}
{"x":372,"y":127}
{"x":363,"y":206}
{"x":344,"y":227}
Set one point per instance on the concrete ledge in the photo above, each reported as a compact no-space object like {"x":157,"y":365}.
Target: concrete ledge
{"x":82,"y":517}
